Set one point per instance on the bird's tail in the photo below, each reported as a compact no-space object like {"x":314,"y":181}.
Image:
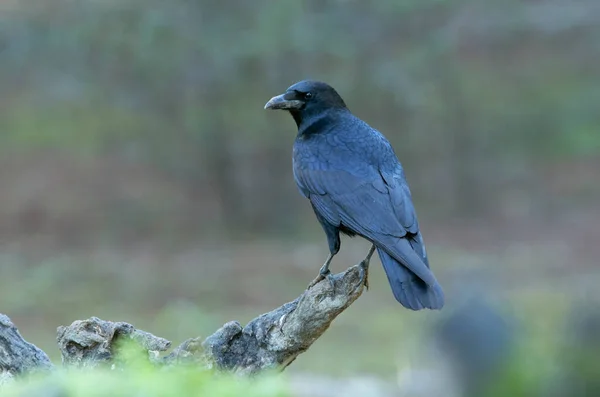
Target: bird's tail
{"x":412,"y":292}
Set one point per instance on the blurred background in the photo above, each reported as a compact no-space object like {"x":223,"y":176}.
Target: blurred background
{"x":141,"y":180}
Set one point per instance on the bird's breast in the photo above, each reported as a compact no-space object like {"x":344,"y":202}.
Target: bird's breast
{"x":311,"y":154}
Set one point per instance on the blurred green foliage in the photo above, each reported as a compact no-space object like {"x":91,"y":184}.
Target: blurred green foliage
{"x":132,"y":374}
{"x":148,"y":382}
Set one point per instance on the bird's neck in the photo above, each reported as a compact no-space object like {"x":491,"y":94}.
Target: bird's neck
{"x":318,"y":123}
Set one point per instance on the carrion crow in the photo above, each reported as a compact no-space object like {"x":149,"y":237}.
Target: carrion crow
{"x":350,"y":174}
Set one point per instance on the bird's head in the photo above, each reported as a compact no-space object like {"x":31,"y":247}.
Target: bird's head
{"x":307,"y":99}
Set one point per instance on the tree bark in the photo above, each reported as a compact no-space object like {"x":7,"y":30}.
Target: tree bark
{"x":17,"y":356}
{"x":271,"y":341}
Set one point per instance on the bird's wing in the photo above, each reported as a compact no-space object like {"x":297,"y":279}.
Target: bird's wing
{"x":375,"y":205}
{"x":371,"y":203}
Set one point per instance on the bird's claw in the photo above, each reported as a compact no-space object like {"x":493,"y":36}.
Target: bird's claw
{"x":331,"y":280}
{"x":364,"y":274}
{"x":323,"y":274}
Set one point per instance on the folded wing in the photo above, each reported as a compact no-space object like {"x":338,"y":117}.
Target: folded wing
{"x":376,"y":205}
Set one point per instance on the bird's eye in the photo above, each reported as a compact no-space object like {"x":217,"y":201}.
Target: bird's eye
{"x":308,"y":95}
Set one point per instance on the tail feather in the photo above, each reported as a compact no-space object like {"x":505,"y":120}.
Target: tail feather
{"x":412,"y":292}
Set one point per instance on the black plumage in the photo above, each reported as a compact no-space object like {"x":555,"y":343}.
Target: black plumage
{"x":356,"y":185}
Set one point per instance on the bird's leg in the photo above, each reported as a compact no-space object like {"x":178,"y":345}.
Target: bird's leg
{"x":364,"y":278}
{"x":324,"y":272}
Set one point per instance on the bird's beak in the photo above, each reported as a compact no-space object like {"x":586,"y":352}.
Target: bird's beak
{"x":284,"y":101}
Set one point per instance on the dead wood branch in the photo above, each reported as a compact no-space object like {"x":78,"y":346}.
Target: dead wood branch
{"x":17,"y":356}
{"x":269,"y":342}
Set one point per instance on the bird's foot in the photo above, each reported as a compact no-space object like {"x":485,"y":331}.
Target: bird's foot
{"x":324,"y":273}
{"x":364,"y":273}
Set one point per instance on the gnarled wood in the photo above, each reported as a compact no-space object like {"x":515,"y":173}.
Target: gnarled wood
{"x":17,"y":356}
{"x":269,"y":342}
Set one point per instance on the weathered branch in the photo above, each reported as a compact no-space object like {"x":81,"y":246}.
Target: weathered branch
{"x":89,"y":343}
{"x":275,"y":339}
{"x":18,"y":356}
{"x":270,"y":341}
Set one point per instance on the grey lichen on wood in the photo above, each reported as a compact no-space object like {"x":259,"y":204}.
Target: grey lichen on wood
{"x":269,"y":342}
{"x":17,"y":356}
{"x":92,"y":342}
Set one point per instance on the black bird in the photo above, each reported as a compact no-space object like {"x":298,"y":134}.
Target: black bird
{"x":356,"y":185}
